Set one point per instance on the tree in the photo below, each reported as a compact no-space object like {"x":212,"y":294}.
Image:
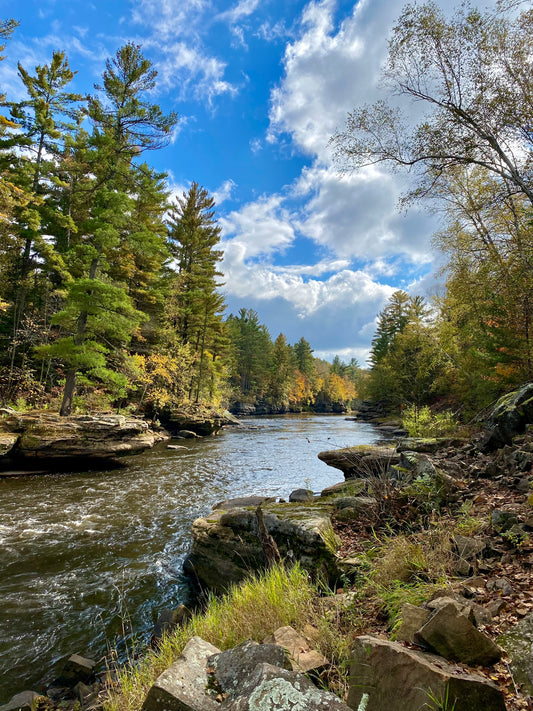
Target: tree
{"x":401,"y":309}
{"x":99,"y":316}
{"x":282,"y":373}
{"x":197,"y":306}
{"x":251,"y":348}
{"x":473,"y":73}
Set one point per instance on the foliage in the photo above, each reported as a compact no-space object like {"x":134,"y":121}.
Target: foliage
{"x":422,"y":422}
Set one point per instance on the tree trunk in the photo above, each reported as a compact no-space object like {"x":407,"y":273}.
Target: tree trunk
{"x":68,"y":393}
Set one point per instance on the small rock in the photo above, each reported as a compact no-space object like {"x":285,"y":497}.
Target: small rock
{"x":239,"y":501}
{"x":77,"y":668}
{"x":503,"y":520}
{"x":518,"y":643}
{"x":502,"y":584}
{"x":413,"y":619}
{"x":301,"y":657}
{"x":468,"y":548}
{"x":186,"y":434}
{"x":168,"y":619}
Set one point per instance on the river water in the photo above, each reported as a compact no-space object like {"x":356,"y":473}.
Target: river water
{"x":85,"y":557}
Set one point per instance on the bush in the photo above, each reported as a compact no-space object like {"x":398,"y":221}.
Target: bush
{"x":422,"y":422}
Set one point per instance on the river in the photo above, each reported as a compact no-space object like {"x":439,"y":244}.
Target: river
{"x":86,"y":556}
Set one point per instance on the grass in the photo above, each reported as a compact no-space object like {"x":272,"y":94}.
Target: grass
{"x":252,"y":610}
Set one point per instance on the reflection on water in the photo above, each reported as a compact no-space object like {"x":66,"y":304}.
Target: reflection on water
{"x":79,"y":552}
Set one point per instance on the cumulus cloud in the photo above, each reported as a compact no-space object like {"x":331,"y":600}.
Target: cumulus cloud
{"x":329,"y":67}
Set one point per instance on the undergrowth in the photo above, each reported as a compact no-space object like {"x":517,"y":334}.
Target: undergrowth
{"x":251,"y":610}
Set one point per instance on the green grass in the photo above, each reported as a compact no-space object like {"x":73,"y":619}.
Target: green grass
{"x":252,"y":610}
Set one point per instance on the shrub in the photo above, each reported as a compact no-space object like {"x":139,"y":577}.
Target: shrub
{"x":422,"y":422}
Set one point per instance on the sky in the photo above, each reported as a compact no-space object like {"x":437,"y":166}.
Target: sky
{"x":260,"y":86}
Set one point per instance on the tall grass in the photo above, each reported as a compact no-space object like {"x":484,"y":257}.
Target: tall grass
{"x":251,"y":610}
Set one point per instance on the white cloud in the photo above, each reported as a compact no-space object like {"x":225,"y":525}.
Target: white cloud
{"x":242,"y":10}
{"x":260,"y":229}
{"x":223,"y":192}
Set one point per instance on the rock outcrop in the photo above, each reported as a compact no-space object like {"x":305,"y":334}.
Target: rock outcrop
{"x":44,"y":437}
{"x":200,"y":422}
{"x":226,"y":547}
{"x":361,"y":462}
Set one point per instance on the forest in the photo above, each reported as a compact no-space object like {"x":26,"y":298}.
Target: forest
{"x":110,"y":292}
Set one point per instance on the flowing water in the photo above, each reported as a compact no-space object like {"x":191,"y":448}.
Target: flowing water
{"x":87,"y":556}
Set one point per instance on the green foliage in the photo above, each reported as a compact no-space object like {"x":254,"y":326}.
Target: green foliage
{"x":251,"y":610}
{"x":423,"y":422}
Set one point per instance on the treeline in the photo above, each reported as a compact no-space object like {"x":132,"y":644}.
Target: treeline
{"x":109,"y":292}
{"x":471,"y":159}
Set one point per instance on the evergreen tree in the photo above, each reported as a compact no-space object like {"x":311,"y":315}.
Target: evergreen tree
{"x":197,"y":306}
{"x":100,"y":317}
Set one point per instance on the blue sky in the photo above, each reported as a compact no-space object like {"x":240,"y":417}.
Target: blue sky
{"x":260,"y":86}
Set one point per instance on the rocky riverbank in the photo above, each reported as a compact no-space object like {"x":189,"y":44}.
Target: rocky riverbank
{"x":38,"y":441}
{"x":428,"y":546}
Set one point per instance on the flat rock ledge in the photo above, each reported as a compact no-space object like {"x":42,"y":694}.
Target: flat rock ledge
{"x":226,"y":547}
{"x":42,"y":439}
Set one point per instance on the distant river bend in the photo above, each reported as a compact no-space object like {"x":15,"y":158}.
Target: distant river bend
{"x":81,"y":552}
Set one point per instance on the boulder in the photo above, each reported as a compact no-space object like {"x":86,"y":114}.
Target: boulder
{"x":183,"y":686}
{"x":385,"y":675}
{"x":413,"y":618}
{"x":518,"y":643}
{"x":201,"y":422}
{"x":240,"y":501}
{"x":351,"y":487}
{"x":226,"y":547}
{"x":361,"y":462}
{"x":269,"y":688}
{"x":453,"y":636}
{"x":231,"y":669}
{"x":25,"y":701}
{"x":510,"y":416}
{"x":301,"y":657}
{"x":428,"y":445}
{"x":301,"y":496}
{"x":168,"y":620}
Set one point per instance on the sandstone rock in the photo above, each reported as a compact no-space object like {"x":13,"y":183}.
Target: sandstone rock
{"x":428,"y":445}
{"x":202,"y":423}
{"x":269,"y":688}
{"x":77,"y":668}
{"x":395,"y":678}
{"x":176,"y":446}
{"x":25,"y":701}
{"x":186,"y":434}
{"x":46,"y":436}
{"x":7,"y":442}
{"x":240,"y":501}
{"x":301,"y":657}
{"x":226,"y":547}
{"x":413,"y":618}
{"x":518,"y":643}
{"x":468,"y":548}
{"x":168,"y":619}
{"x":232,"y":668}
{"x":361,"y":462}
{"x":301,"y":495}
{"x":182,"y":687}
{"x":453,"y":636}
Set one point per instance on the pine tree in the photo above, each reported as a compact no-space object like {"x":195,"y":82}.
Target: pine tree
{"x":100,"y":315}
{"x":197,"y":306}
